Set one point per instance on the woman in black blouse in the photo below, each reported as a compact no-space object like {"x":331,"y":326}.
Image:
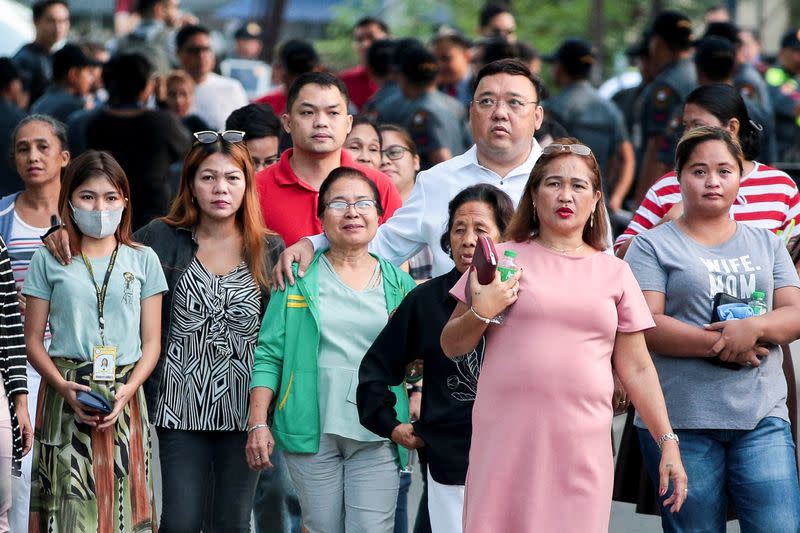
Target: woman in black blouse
{"x":444,"y":427}
{"x":216,"y":255}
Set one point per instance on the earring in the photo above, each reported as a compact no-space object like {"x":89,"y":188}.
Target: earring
{"x":533,"y":217}
{"x":591,"y":220}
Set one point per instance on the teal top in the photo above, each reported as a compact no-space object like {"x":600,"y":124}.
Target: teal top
{"x":137,"y":275}
{"x":349,"y":321}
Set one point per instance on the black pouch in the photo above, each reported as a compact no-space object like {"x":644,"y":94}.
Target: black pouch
{"x":94,"y":401}
{"x":722,"y":298}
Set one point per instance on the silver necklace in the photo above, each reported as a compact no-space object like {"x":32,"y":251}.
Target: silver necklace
{"x":563,"y":251}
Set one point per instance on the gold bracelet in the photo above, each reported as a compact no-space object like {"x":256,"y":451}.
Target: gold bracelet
{"x":479,"y":317}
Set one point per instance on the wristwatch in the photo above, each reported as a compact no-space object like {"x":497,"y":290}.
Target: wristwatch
{"x":667,"y":436}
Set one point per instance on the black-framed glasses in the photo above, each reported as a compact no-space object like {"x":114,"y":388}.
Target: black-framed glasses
{"x":362,"y":206}
{"x":210,"y":137}
{"x":515,"y":105}
{"x":395,"y":152}
{"x":577,"y":149}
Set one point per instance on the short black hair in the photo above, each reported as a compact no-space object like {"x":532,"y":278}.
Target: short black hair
{"x":341,"y":173}
{"x":125,"y":77}
{"x":187,"y":32}
{"x":325,"y":79}
{"x":490,"y":11}
{"x":501,"y":204}
{"x":255,"y":120}
{"x":716,"y":58}
{"x":298,"y":56}
{"x":41,"y":6}
{"x":512,"y":67}
{"x":369,"y":21}
{"x":8,"y":72}
{"x":379,"y":57}
{"x":144,"y":7}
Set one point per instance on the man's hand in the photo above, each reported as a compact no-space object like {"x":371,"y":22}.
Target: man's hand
{"x":57,"y":244}
{"x":301,"y":252}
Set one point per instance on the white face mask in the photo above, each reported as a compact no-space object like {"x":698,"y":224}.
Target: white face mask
{"x":97,"y":224}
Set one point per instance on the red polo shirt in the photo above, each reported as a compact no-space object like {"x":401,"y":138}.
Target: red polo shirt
{"x":289,"y":205}
{"x":277,"y":99}
{"x":360,"y":85}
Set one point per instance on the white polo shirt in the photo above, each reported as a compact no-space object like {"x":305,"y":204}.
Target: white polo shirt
{"x":423,"y":217}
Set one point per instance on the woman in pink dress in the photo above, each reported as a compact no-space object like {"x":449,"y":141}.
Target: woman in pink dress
{"x":541,"y":457}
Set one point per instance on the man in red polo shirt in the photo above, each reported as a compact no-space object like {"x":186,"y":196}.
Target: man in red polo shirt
{"x":316,"y":117}
{"x":359,"y":82}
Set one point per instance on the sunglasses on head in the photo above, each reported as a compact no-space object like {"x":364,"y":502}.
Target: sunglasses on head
{"x":577,"y":149}
{"x":210,"y":137}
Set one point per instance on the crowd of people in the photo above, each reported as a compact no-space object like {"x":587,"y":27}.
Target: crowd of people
{"x":278,"y":294}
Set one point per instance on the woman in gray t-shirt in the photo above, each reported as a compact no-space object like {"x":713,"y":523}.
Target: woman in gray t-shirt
{"x":733,"y":423}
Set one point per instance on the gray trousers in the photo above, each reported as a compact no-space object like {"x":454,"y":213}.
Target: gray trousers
{"x":347,"y":487}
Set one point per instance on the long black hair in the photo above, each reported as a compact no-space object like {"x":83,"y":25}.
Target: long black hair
{"x":724,"y":102}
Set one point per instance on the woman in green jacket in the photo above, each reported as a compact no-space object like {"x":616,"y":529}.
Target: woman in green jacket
{"x":310,"y":346}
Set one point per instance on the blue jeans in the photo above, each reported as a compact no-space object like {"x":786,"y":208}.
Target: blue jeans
{"x":276,"y":508}
{"x":401,"y":513}
{"x":753,"y":470}
{"x":196,"y":466}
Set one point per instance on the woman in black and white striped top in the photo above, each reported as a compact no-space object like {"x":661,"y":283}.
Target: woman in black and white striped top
{"x":16,"y":433}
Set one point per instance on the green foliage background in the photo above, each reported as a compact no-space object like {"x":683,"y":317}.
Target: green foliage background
{"x":543,"y":23}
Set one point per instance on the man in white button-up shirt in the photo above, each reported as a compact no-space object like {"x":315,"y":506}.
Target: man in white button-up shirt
{"x":503,"y":116}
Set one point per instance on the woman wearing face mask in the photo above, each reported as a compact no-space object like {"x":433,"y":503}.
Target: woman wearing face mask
{"x":92,"y":461}
{"x":216,"y":254}
{"x":39,"y":145}
{"x":364,"y":142}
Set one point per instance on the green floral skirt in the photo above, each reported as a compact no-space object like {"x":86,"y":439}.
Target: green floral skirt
{"x":86,"y":480}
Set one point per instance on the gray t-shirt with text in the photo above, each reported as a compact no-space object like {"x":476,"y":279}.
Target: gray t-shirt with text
{"x":700,"y":395}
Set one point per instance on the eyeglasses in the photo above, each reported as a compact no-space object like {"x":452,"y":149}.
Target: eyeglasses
{"x":515,"y":105}
{"x":577,"y":149}
{"x":210,"y":137}
{"x":362,"y":206}
{"x":395,"y":152}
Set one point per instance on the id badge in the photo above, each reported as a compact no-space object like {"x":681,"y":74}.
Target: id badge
{"x":105,"y":363}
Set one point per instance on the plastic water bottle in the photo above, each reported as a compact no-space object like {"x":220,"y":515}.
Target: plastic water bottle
{"x":758,"y":303}
{"x":507,"y":267}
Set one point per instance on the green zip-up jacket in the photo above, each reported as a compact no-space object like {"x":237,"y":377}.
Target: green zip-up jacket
{"x":285,"y":359}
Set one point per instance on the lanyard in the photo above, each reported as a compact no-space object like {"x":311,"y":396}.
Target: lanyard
{"x":101,"y":292}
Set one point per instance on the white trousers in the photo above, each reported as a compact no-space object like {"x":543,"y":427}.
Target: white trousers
{"x":445,"y":506}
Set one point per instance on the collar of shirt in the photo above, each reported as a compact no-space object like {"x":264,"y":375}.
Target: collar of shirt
{"x":286,"y":176}
{"x":471,"y":158}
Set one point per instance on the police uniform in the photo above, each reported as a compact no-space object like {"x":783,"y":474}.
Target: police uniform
{"x":785,"y":93}
{"x":377,"y":104}
{"x":435,"y":121}
{"x":662,"y":106}
{"x":589,"y":117}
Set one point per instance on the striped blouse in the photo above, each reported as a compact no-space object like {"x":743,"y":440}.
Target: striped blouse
{"x":768,"y":198}
{"x":12,"y":350}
